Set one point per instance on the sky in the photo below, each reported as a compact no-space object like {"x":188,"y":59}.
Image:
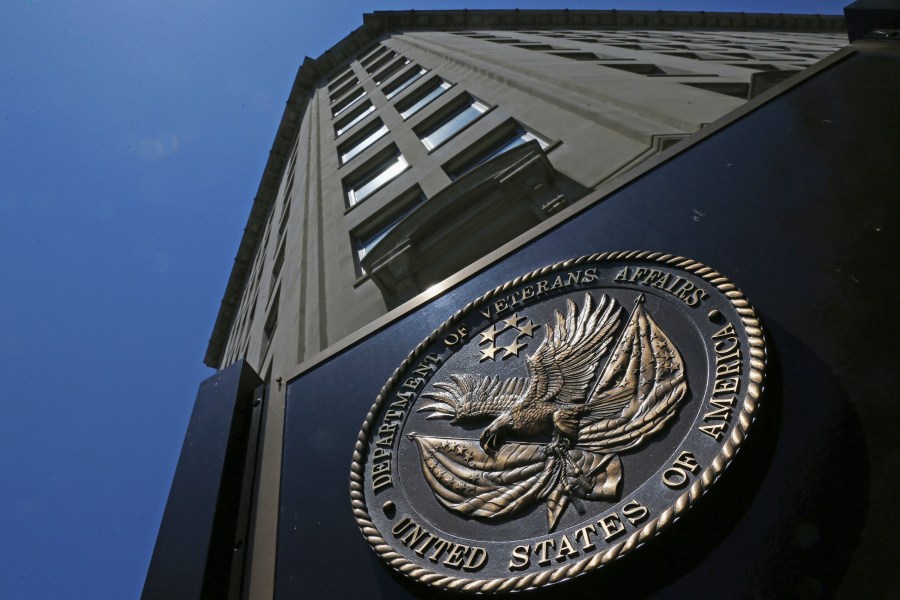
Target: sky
{"x":133,"y":136}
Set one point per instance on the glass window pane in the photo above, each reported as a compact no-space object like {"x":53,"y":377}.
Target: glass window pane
{"x":453,"y":124}
{"x":389,"y":70}
{"x":422,"y":102}
{"x":363,"y":246}
{"x":516,"y":138}
{"x":360,"y":145}
{"x":343,"y":126}
{"x":345,"y":104}
{"x":403,"y":82}
{"x":385,"y":173}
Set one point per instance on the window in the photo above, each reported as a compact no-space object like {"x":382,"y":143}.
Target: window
{"x":364,"y":244}
{"x":346,"y":102}
{"x":389,"y":70}
{"x":364,"y":185}
{"x":542,"y":47}
{"x":577,"y":55}
{"x":340,"y":79}
{"x":509,"y":138}
{"x":404,"y":81}
{"x":269,"y":327}
{"x":285,"y":214}
{"x":373,"y":55}
{"x":460,"y":116}
{"x":380,"y":62}
{"x":366,"y":138}
{"x":429,"y":92}
{"x":343,"y":89}
{"x":276,"y":266}
{"x":352,"y":118}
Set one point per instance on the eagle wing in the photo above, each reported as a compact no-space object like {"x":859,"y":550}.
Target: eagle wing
{"x":562,"y":367}
{"x":639,"y":390}
{"x":470,"y":396}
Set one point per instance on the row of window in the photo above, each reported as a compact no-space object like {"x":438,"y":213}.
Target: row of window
{"x":656,"y":41}
{"x":396,"y":74}
{"x":433,"y":133}
{"x":506,"y":137}
{"x":386,"y":64}
{"x":677,"y":50}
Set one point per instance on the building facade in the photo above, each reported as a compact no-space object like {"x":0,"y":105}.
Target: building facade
{"x":425,"y":140}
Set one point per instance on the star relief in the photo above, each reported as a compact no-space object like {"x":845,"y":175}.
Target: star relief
{"x":524,"y":328}
{"x":513,"y":349}
{"x":489,"y":352}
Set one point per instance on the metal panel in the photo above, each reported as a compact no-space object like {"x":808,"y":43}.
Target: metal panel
{"x":205,"y":515}
{"x":795,"y":202}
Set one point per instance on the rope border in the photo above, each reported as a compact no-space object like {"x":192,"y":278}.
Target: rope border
{"x":749,"y":406}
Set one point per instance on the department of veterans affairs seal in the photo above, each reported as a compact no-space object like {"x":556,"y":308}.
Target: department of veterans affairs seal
{"x":558,"y":422}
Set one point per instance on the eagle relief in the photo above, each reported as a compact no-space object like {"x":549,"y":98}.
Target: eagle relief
{"x":558,"y":422}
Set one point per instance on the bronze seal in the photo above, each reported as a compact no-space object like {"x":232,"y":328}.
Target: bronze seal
{"x":558,"y":422}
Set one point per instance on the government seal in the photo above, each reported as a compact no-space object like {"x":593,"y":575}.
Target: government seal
{"x":558,"y":422}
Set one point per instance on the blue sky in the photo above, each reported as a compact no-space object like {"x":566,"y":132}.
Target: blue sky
{"x":133,"y":137}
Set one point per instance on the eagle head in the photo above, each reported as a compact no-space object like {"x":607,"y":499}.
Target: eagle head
{"x":493,"y":435}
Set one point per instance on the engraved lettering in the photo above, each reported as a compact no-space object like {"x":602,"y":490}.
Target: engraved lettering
{"x":635,"y":512}
{"x":675,"y":283}
{"x":729,"y":385}
{"x":405,"y":398}
{"x":684,"y":291}
{"x":425,"y":545}
{"x":687,"y":461}
{"x":638,"y":273}
{"x":585,"y":535}
{"x":455,"y":556}
{"x":652,"y":275}
{"x":714,"y":431}
{"x":457,"y":336}
{"x":612,"y":526}
{"x":476,"y":560}
{"x":401,"y":526}
{"x":725,"y":346}
{"x":413,"y":382}
{"x":590,"y":275}
{"x":544,"y":547}
{"x":676,"y":476}
{"x":622,"y":275}
{"x":439,"y":548}
{"x":413,"y":536}
{"x":393,"y":415}
{"x":727,"y":331}
{"x":719,"y":414}
{"x":566,"y":550}
{"x":520,"y":558}
{"x":662,"y":282}
{"x":696,"y":297}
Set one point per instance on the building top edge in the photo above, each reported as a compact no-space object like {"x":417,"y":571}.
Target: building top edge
{"x":313,"y":70}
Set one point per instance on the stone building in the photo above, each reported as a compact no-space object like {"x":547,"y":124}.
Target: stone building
{"x":424,"y":140}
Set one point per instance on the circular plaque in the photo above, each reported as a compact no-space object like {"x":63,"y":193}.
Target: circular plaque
{"x":558,"y":422}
